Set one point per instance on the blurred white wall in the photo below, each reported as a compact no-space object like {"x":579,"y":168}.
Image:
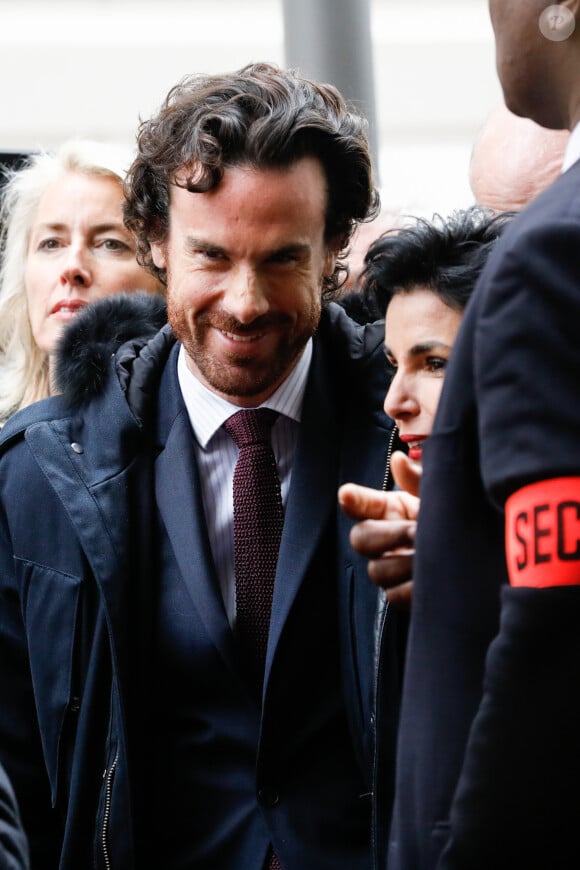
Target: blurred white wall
{"x":436,"y":83}
{"x":93,"y":67}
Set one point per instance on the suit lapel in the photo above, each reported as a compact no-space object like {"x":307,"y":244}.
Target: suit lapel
{"x":318,"y":468}
{"x":335,"y":446}
{"x":311,"y":500}
{"x":180,"y":503}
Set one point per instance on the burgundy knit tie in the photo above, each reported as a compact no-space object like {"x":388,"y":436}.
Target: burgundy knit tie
{"x":273,"y":862}
{"x":258,"y":520}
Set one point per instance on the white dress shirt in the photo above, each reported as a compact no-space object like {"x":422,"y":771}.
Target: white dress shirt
{"x":572,"y":152}
{"x":217,"y":455}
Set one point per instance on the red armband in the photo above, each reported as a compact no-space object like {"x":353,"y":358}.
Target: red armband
{"x":543,"y":534}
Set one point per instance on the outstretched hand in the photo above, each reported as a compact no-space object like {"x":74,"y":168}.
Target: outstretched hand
{"x":386,"y":531}
{"x":407,"y":474}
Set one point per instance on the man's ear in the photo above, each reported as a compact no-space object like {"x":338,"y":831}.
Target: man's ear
{"x":332,"y":251}
{"x":570,"y":8}
{"x":329,"y":264}
{"x":159,"y":254}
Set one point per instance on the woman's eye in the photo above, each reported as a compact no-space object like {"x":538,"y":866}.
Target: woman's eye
{"x":49,"y":244}
{"x":436,"y":363}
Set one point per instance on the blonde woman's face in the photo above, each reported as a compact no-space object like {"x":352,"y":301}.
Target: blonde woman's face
{"x":79,"y":251}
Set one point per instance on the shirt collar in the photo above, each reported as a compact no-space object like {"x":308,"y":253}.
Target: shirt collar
{"x":208,"y":412}
{"x":572,"y":152}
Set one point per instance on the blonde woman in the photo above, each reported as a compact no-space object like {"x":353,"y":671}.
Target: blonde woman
{"x":63,"y":244}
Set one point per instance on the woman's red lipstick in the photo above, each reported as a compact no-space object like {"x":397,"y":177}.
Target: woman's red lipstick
{"x":413,"y":443}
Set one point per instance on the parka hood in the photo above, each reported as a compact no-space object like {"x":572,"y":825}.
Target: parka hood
{"x":85,"y":349}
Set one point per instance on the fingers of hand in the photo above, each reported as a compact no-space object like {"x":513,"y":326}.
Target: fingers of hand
{"x":362,"y":502}
{"x":401,"y":596}
{"x":406,"y":473}
{"x":407,"y":506}
{"x":392,"y":569}
{"x":374,"y":538}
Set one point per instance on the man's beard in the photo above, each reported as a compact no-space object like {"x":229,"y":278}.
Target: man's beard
{"x":236,"y":374}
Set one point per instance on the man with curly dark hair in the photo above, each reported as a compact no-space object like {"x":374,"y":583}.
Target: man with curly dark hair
{"x":167,"y":732}
{"x":261,"y":118}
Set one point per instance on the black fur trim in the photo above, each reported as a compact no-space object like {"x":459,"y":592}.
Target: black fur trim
{"x":85,"y":349}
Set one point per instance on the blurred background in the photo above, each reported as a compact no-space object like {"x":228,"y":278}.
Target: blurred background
{"x":423,"y":72}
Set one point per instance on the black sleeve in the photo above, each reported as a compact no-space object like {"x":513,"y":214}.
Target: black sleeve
{"x":527,"y":361}
{"x":518,"y":799}
{"x":517,"y":802}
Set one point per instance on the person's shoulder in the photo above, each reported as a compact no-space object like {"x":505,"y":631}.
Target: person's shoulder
{"x":352,"y":341}
{"x":543,"y":234}
{"x":355,"y":358}
{"x":125,"y":335}
{"x":559,"y":204}
{"x":43,"y":411}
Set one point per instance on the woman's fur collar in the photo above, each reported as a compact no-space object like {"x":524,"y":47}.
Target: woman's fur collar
{"x":84,"y":351}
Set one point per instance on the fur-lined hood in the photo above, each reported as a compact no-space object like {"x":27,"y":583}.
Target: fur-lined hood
{"x":84,"y":352}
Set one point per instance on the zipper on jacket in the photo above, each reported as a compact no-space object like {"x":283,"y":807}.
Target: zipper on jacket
{"x":377,"y":683}
{"x":108,"y":776}
{"x":379,"y":633}
{"x":387,"y":476}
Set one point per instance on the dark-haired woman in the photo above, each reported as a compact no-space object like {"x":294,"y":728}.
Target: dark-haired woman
{"x":421,"y":278}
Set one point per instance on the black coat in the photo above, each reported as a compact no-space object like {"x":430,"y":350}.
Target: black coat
{"x":489,"y":753}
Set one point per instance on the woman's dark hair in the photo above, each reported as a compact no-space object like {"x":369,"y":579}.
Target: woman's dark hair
{"x":260,"y":116}
{"x":445,"y":256}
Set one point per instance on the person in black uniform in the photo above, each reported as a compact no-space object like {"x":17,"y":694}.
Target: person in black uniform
{"x":489,"y":738}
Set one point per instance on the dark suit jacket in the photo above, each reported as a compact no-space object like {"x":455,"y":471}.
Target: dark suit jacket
{"x":301,"y":746}
{"x":121,"y":528}
{"x":489,"y":752}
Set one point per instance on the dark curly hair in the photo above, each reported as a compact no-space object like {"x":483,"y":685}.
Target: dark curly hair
{"x":444,"y":255}
{"x":260,"y":116}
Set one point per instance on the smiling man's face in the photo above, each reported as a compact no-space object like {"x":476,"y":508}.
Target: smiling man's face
{"x":245,"y":265}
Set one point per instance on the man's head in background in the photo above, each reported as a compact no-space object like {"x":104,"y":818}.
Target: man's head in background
{"x":513,"y":160}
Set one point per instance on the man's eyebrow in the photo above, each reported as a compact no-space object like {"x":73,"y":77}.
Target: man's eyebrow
{"x":203,"y":245}
{"x":297,"y":248}
{"x":195,"y":244}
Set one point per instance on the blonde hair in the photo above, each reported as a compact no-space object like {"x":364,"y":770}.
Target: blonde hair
{"x":23,"y":366}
